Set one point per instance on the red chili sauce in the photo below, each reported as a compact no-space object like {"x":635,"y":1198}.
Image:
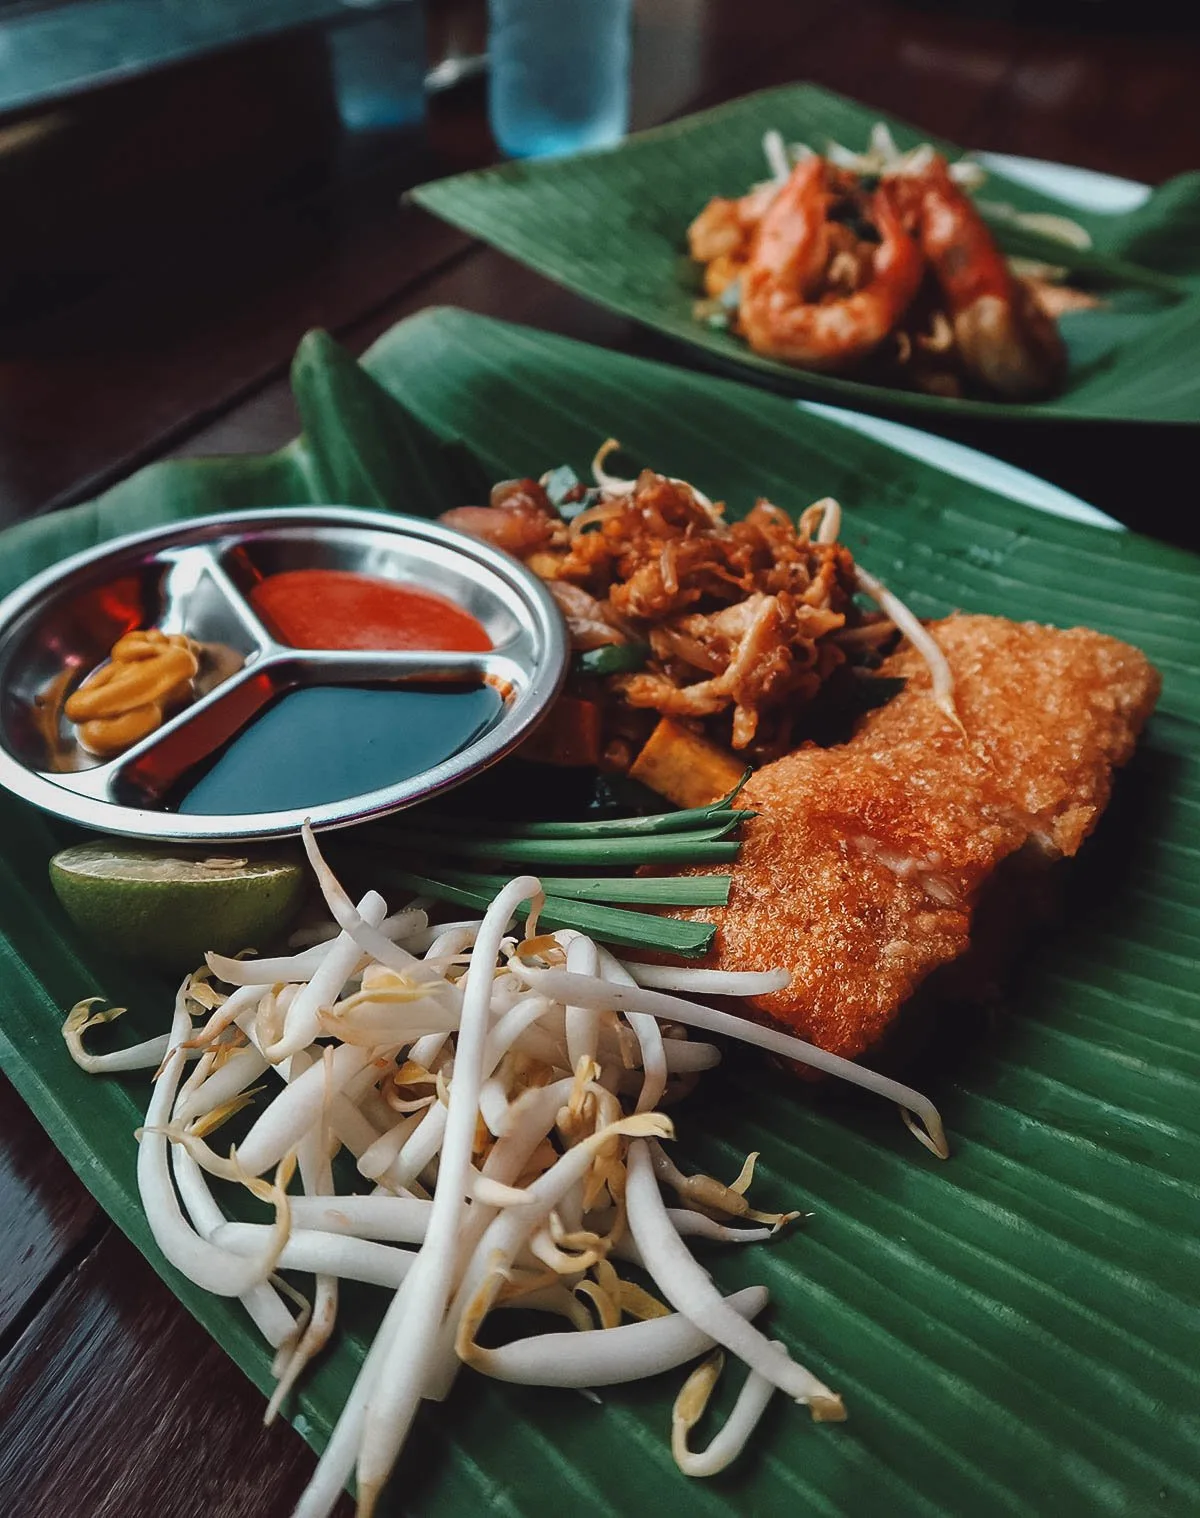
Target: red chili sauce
{"x":335,"y":608}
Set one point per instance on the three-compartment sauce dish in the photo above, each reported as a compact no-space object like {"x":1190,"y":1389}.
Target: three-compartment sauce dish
{"x":229,"y":676}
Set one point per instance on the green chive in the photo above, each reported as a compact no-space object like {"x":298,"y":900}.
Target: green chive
{"x":647,"y":890}
{"x":708,"y":846}
{"x":632,"y":929}
{"x":610,"y":827}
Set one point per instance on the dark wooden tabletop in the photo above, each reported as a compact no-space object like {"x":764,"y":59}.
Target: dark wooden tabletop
{"x":167,"y":244}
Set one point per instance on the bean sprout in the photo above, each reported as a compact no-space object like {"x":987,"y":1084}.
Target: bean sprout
{"x":80,"y":1018}
{"x":627,"y":1353}
{"x":728,"y":1444}
{"x":922,"y":640}
{"x":504,"y":1095}
{"x":614,"y":485}
{"x":776,"y":155}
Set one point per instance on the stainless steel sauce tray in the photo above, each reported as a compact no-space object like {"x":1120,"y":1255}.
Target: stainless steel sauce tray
{"x":193,"y":577}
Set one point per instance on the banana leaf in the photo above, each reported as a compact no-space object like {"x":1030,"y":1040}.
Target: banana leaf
{"x":612,"y":225}
{"x":1011,"y":1328}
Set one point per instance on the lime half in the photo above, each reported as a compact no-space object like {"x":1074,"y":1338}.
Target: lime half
{"x":166,"y":907}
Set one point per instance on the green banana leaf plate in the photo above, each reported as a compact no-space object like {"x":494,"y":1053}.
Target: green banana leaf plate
{"x":612,"y":227}
{"x":1012,"y":1329}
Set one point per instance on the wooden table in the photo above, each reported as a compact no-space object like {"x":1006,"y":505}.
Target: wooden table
{"x":165,"y":324}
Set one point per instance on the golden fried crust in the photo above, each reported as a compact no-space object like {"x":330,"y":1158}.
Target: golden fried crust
{"x":862,"y":868}
{"x":1049,"y":714}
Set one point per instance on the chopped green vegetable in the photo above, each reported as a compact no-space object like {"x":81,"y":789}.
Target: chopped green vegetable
{"x":569,"y":510}
{"x":612,"y":659}
{"x":564,"y":490}
{"x":558,"y":483}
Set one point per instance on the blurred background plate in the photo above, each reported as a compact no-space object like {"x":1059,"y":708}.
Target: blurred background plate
{"x":611,"y":225}
{"x":1104,"y":194}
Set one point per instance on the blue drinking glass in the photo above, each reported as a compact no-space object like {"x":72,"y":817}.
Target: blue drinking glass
{"x":559,"y":74}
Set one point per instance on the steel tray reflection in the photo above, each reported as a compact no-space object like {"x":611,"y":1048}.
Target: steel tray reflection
{"x":193,"y":577}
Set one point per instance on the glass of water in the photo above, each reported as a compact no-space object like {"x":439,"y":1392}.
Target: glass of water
{"x":559,"y":74}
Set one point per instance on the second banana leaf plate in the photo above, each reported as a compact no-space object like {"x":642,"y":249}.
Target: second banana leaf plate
{"x":612,"y":226}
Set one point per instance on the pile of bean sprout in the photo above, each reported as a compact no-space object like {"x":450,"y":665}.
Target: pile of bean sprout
{"x":500,"y":1096}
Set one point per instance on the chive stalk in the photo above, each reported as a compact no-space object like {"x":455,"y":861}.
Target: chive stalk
{"x":706,"y":846}
{"x":645,"y":890}
{"x":687,"y":820}
{"x":633,"y":929}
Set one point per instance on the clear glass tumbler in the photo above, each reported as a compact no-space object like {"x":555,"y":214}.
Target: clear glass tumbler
{"x":559,"y":74}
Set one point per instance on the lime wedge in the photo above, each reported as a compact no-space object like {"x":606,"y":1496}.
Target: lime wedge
{"x":166,"y":907}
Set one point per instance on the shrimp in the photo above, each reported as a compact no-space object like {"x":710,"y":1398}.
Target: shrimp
{"x":778,"y":314}
{"x":1005,"y":339}
{"x":722,"y":235}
